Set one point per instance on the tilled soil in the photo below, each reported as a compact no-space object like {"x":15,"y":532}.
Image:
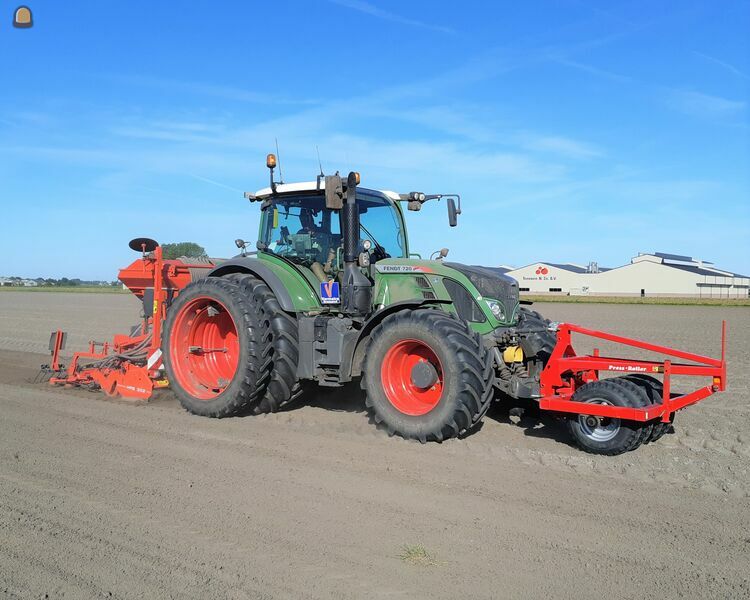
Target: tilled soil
{"x":102,"y":498}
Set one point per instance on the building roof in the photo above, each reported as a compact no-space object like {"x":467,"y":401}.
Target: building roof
{"x":501,"y":270}
{"x":568,"y":267}
{"x":701,"y":271}
{"x":673,"y":256}
{"x":703,"y":268}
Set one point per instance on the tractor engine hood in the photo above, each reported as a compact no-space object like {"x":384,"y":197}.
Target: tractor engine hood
{"x":491,"y":283}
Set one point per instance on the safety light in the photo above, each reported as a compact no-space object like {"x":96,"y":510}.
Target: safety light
{"x":367,"y":244}
{"x":271,"y":161}
{"x":356,"y":177}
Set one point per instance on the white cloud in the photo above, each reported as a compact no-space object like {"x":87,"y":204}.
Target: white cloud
{"x":723,"y":64}
{"x":372,"y":10}
{"x":200,"y":88}
{"x":592,"y":70}
{"x":563,"y":146}
{"x":704,"y":105}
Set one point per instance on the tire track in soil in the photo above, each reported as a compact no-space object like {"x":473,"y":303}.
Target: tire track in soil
{"x":101,"y":497}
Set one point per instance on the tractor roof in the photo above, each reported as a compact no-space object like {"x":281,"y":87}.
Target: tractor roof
{"x":312,"y":186}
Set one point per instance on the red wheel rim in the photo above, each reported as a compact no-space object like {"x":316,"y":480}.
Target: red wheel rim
{"x":396,"y":375}
{"x":204,"y":348}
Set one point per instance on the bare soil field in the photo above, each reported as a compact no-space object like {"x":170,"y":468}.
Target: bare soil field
{"x":102,"y":498}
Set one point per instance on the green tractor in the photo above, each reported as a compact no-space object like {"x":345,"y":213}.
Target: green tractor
{"x":333,"y":294}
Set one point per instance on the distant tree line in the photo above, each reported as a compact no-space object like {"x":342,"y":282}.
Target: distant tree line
{"x":52,"y":282}
{"x":179,"y":249}
{"x":171,"y":251}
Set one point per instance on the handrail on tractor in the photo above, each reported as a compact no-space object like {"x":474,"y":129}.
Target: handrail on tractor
{"x":565,"y":371}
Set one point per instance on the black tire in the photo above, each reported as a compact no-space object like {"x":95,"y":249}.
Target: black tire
{"x":610,"y":436}
{"x":545,"y":340}
{"x":655,"y":390}
{"x":463,"y":367}
{"x":529,"y":314}
{"x":250,"y":379}
{"x":280,"y":345}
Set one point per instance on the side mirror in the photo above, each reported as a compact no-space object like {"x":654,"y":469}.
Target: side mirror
{"x":453,"y":213}
{"x":334,"y":192}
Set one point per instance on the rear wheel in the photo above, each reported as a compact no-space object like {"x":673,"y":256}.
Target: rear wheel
{"x":427,"y":376}
{"x":213,"y":349}
{"x":603,"y":435}
{"x":280,"y":345}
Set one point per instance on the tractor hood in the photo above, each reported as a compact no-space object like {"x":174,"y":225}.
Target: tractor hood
{"x":481,"y":285}
{"x":491,"y":283}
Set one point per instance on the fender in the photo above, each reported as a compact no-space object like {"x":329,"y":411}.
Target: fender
{"x":263,"y":270}
{"x":352,"y":368}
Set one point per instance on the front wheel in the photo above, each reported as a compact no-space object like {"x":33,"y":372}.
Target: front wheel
{"x":427,"y":376}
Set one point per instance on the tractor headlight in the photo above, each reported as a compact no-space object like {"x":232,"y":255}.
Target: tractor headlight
{"x":496,"y":308}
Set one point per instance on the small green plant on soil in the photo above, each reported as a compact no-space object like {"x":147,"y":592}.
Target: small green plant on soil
{"x":417,"y":554}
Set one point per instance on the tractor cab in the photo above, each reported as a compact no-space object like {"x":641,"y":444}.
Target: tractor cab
{"x":298,"y":226}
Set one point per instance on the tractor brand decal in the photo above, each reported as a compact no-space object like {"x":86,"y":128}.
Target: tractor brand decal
{"x":402,"y":269}
{"x":541,"y":274}
{"x":329,"y":292}
{"x":628,"y":368}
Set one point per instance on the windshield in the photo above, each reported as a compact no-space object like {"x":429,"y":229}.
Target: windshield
{"x":301,"y":229}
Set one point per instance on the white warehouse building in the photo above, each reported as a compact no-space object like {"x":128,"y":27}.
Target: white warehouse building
{"x":648,"y":274}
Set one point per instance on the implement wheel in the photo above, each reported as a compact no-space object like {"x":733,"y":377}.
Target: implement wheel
{"x":213,"y":349}
{"x":655,"y":391}
{"x":603,"y":435}
{"x":427,"y":376}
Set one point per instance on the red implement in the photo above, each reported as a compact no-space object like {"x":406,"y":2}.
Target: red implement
{"x":566,"y":371}
{"x":130,"y":365}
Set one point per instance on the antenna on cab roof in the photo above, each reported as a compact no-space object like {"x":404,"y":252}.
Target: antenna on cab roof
{"x":320,"y":164}
{"x":281,"y":175}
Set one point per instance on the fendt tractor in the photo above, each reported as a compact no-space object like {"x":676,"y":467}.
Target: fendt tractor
{"x":333,"y":294}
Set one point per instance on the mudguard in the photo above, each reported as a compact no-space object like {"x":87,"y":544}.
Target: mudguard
{"x":292,"y":290}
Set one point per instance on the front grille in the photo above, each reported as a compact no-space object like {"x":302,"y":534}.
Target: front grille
{"x":466,"y":306}
{"x":492,"y":284}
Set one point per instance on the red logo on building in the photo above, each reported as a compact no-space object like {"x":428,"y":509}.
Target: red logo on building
{"x":542,"y":270}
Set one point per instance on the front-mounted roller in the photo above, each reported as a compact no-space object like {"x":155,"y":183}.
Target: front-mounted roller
{"x":616,"y":415}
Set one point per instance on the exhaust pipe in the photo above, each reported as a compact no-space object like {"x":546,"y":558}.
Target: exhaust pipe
{"x":356,"y":292}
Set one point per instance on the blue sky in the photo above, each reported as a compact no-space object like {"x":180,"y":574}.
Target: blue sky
{"x":574,"y":130}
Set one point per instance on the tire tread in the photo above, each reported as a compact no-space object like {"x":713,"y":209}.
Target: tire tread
{"x":477,"y":374}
